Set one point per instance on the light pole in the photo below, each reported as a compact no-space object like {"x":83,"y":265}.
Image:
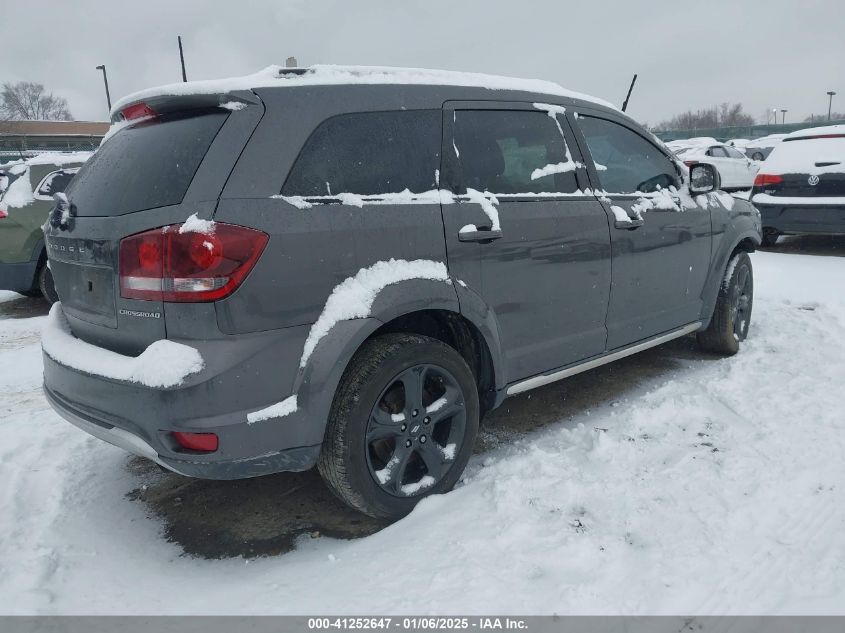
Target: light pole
{"x":106,"y":82}
{"x":830,"y":94}
{"x":775,"y":113}
{"x":783,"y":112}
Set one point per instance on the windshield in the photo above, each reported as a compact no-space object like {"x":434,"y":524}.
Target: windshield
{"x":145,"y":166}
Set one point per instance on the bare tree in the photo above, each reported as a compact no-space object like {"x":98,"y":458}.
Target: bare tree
{"x":725,"y":115}
{"x":834,"y":116}
{"x":28,"y":101}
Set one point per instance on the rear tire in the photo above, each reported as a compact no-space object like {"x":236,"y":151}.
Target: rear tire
{"x":46,"y":285}
{"x":732,"y":314}
{"x":383,"y":451}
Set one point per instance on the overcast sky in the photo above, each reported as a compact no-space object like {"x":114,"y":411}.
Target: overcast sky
{"x":762,"y":53}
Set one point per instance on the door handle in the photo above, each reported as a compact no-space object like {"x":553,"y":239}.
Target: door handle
{"x":631,"y":224}
{"x":481,"y":234}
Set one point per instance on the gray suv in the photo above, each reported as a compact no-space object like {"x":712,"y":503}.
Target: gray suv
{"x":349,"y":267}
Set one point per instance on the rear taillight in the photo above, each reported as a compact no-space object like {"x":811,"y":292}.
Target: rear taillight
{"x":166,"y":265}
{"x":203,"y":442}
{"x":690,"y":163}
{"x":137,"y":111}
{"x":764,"y":180}
{"x":3,"y":214}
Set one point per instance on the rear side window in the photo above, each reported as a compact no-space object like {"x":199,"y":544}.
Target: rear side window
{"x":629,"y":163}
{"x":147,"y":165}
{"x":56,"y":182}
{"x":369,"y":153}
{"x":511,"y":152}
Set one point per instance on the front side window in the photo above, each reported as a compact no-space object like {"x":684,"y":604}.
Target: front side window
{"x":717,"y":152}
{"x":630,"y":163}
{"x":512,"y":152}
{"x":369,"y":153}
{"x":733,"y":153}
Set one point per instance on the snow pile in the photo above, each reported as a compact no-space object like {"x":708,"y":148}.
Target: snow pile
{"x":278,"y":410}
{"x":163,"y":364}
{"x":59,"y":158}
{"x":19,"y":194}
{"x":234,"y":106}
{"x":488,"y":204}
{"x":196,"y":225}
{"x":353,"y":298}
{"x":406,"y":196}
{"x":764,"y":198}
{"x":556,"y":168}
{"x":324,"y":75}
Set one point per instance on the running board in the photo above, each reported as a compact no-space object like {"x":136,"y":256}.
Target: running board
{"x":545,"y":379}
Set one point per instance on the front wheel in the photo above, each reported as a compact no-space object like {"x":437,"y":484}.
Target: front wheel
{"x":402,"y":425}
{"x":732,"y":315}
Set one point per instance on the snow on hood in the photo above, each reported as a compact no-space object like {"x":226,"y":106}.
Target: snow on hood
{"x":326,"y":74}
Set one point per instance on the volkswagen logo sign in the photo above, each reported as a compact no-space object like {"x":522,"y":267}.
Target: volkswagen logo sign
{"x":813,"y":180}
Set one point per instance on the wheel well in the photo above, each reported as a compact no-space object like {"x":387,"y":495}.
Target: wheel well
{"x":457,"y":332}
{"x":746,"y":245}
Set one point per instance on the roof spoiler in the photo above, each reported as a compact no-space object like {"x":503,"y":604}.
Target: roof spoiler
{"x":163,"y":104}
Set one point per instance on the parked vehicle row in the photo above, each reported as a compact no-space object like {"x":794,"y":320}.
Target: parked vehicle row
{"x":735,"y":168}
{"x":348,"y":267}
{"x":27,"y":188}
{"x":801,"y":188}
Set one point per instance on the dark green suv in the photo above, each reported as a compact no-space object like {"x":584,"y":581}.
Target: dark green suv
{"x":26,"y":198}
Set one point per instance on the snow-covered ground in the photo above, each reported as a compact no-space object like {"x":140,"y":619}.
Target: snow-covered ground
{"x":716,"y":488}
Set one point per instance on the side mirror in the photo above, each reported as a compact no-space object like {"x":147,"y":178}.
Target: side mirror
{"x":703,"y":178}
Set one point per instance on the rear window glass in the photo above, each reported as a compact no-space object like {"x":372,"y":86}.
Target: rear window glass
{"x":369,"y":153}
{"x":147,"y":165}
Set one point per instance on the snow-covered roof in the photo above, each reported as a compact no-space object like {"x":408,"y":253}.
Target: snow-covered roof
{"x":323,"y":75}
{"x":817,"y":131}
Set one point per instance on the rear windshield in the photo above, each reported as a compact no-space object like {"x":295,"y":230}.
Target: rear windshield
{"x":144,"y":166}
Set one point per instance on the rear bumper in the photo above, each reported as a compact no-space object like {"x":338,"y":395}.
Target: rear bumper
{"x":822,"y":219}
{"x":294,"y":459}
{"x":18,"y":277}
{"x":238,"y":377}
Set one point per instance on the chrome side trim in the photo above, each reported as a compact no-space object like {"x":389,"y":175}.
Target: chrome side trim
{"x":545,"y":379}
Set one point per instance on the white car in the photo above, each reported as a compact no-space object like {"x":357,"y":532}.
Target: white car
{"x":735,"y":168}
{"x":760,"y":148}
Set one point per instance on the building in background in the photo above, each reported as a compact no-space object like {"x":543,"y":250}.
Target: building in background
{"x":21,"y":139}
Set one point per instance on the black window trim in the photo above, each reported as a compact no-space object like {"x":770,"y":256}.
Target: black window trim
{"x":587,"y":159}
{"x":450,"y":169}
